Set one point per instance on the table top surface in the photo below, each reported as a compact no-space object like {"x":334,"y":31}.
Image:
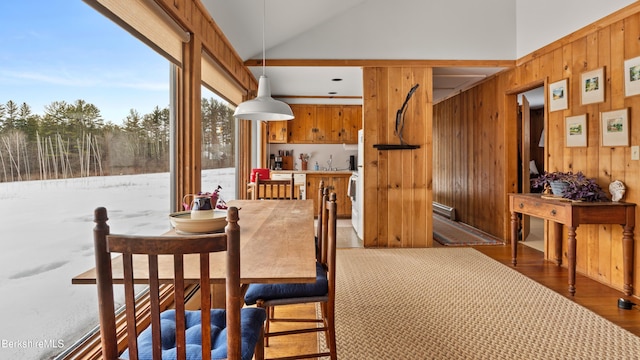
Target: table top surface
{"x":277,"y":246}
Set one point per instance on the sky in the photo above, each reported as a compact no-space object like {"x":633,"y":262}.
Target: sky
{"x":64,"y":50}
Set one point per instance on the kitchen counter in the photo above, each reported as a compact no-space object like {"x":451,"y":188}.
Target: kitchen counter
{"x":312,"y":172}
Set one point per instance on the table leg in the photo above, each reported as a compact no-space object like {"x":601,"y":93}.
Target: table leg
{"x":571,"y":257}
{"x":514,"y":237}
{"x":557,"y":242}
{"x":627,"y":256}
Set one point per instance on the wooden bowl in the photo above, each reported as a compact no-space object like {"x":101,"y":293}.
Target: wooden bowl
{"x":183,"y":223}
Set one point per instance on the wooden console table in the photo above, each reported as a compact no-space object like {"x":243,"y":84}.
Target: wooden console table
{"x":572,"y":214}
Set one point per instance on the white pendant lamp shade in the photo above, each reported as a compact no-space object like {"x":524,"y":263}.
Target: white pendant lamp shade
{"x":263,"y":107}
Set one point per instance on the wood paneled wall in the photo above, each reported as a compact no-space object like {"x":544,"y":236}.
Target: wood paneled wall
{"x":477,"y":167}
{"x":397,"y":183}
{"x":468,"y":143}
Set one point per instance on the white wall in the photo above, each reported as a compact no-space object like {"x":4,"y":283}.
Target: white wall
{"x":541,"y":22}
{"x":410,"y":29}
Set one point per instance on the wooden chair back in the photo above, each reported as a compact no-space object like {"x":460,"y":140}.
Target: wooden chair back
{"x":273,"y":189}
{"x":322,"y":192}
{"x":177,"y":247}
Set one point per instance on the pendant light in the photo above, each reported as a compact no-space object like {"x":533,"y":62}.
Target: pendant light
{"x":263,"y":107}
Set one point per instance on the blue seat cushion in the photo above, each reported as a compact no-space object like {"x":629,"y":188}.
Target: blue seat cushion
{"x":287,"y":291}
{"x":252,"y":320}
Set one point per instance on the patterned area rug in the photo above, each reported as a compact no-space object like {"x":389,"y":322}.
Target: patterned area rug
{"x":453,"y":233}
{"x":456,"y":303}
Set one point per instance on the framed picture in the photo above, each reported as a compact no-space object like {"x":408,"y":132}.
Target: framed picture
{"x":575,"y":131}
{"x":592,"y":86}
{"x":558,"y":95}
{"x":632,"y":76}
{"x":615,"y":127}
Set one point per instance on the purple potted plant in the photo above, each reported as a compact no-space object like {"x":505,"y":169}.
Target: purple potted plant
{"x":571,"y":186}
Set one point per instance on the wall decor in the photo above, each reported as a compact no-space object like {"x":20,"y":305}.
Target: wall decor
{"x":592,"y":86}
{"x":575,"y":131}
{"x":615,"y":127}
{"x":632,"y":76}
{"x":558,"y":95}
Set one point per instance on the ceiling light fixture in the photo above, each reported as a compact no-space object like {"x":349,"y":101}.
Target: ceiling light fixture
{"x":263,"y":107}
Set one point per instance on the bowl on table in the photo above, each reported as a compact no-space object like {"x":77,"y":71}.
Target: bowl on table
{"x":184,"y":223}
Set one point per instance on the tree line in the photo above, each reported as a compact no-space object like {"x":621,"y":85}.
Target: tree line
{"x":73,"y":140}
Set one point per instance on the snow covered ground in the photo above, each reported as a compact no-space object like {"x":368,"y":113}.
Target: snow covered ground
{"x":46,"y":239}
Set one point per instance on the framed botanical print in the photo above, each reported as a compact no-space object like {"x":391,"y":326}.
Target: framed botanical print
{"x":592,"y":86}
{"x":575,"y":131}
{"x":632,"y":76}
{"x":558,"y":95}
{"x":615,"y":127}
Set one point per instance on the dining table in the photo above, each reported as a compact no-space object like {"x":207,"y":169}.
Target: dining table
{"x":276,"y":246}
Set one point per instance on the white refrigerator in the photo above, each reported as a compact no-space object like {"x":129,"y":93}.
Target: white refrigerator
{"x":357,"y":201}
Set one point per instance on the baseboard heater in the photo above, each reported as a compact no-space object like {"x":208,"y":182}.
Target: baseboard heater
{"x":444,"y":210}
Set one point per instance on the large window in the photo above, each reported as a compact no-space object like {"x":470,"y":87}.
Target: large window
{"x":83,"y":123}
{"x":218,"y":145}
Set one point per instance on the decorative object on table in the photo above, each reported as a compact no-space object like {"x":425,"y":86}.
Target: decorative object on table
{"x":184,"y":223}
{"x":558,"y":95}
{"x":576,"y":131}
{"x":615,"y":127}
{"x":570,"y":186}
{"x":592,"y":84}
{"x":632,"y":76}
{"x":617,"y":190}
{"x":200,"y":207}
{"x":304,"y":159}
{"x":204,"y":201}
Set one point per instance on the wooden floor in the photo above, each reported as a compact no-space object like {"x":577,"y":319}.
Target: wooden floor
{"x":591,"y":294}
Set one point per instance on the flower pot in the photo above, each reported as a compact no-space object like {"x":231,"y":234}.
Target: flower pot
{"x":558,"y":187}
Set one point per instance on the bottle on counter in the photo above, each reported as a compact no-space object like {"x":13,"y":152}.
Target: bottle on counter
{"x":316,"y":166}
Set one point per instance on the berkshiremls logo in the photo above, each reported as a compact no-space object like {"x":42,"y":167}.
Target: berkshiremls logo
{"x":32,"y":343}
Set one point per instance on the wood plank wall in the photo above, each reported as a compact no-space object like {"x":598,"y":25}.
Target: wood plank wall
{"x":476,"y":156}
{"x":397,"y":183}
{"x":468,"y":132}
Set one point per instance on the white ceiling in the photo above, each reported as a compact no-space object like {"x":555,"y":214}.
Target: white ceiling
{"x":339,"y":29}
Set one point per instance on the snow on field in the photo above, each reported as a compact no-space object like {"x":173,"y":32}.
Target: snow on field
{"x":46,"y":239}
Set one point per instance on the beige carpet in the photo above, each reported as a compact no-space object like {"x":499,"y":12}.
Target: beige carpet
{"x":456,"y":303}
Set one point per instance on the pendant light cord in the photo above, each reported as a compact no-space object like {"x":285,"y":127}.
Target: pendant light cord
{"x":264,"y":17}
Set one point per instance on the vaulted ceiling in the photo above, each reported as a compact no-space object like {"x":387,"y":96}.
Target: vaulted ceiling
{"x":299,"y":33}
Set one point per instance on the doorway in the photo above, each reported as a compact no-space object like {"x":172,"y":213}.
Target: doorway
{"x":531,"y":160}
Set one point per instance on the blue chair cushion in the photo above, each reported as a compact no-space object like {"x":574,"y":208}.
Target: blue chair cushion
{"x":252,"y":320}
{"x":288,"y":291}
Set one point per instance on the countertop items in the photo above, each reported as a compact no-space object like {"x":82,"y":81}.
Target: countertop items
{"x":320,"y":172}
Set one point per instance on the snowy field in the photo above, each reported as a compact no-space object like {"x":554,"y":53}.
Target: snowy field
{"x":46,"y":238}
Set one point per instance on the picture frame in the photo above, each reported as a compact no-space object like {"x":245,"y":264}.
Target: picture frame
{"x":592,"y":84}
{"x":575,"y":131}
{"x":558,"y":95}
{"x":615,"y":127}
{"x":632,"y":76}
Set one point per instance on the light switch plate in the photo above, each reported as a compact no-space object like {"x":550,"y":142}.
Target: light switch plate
{"x":635,"y":152}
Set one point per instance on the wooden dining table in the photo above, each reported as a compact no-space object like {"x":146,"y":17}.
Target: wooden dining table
{"x":277,"y":246}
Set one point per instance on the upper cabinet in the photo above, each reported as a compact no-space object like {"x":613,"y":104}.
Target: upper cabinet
{"x":277,"y":131}
{"x":319,"y":124}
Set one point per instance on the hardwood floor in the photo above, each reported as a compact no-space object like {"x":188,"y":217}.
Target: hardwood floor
{"x":591,"y":294}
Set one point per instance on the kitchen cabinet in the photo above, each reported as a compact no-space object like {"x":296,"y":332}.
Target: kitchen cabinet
{"x":345,"y":123}
{"x":277,"y":131}
{"x":336,"y":182}
{"x":325,"y":124}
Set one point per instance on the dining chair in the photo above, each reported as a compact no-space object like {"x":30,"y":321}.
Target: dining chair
{"x":322,"y":291}
{"x":230,"y":333}
{"x":322,"y":192}
{"x":273,"y":189}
